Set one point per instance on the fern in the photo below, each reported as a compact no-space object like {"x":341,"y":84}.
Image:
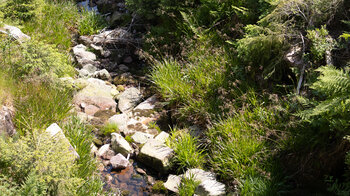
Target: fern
{"x":334,"y":86}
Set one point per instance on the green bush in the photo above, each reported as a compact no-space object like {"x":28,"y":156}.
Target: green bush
{"x":21,"y":9}
{"x":90,"y":23}
{"x":321,"y":42}
{"x":187,"y":152}
{"x":37,"y":164}
{"x":40,"y":59}
{"x":110,"y":128}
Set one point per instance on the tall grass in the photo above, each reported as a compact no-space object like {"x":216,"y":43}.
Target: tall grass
{"x":90,"y":22}
{"x":55,"y":23}
{"x":81,"y":137}
{"x":186,"y":147}
{"x":39,"y":104}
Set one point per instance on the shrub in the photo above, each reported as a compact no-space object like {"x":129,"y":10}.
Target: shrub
{"x":321,"y":42}
{"x":21,"y":9}
{"x":187,"y":152}
{"x":40,"y":59}
{"x":38,"y":164}
{"x":90,"y":23}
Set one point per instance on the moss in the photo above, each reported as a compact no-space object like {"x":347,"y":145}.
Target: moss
{"x":159,"y":188}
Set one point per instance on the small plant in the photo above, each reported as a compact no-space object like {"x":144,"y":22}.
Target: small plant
{"x":321,"y":42}
{"x":129,"y":139}
{"x":188,"y":186}
{"x":90,"y":23}
{"x":110,"y":128}
{"x":186,"y":147}
{"x":158,"y":188}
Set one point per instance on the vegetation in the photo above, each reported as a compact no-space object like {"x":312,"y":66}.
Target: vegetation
{"x":266,"y":82}
{"x":90,"y":23}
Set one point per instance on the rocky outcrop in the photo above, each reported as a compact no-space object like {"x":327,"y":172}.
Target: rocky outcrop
{"x":96,"y":96}
{"x":157,"y":155}
{"x":15,"y":33}
{"x":6,"y":125}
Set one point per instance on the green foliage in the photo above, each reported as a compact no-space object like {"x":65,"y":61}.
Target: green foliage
{"x":81,"y":137}
{"x":129,"y":139}
{"x":40,"y":59}
{"x":90,"y":23}
{"x":321,"y":42}
{"x":186,"y":148}
{"x":38,"y":164}
{"x":38,"y":105}
{"x":333,"y":86}
{"x":21,"y":9}
{"x":55,"y":24}
{"x":159,"y":188}
{"x":188,"y":186}
{"x":110,"y":128}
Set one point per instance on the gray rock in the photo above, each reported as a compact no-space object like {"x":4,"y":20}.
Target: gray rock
{"x":141,"y":138}
{"x":83,"y":56}
{"x":96,"y":93}
{"x":123,"y":68}
{"x":129,"y":99}
{"x":56,"y":132}
{"x":156,"y":155}
{"x":173,"y":183}
{"x":6,"y":125}
{"x":128,"y":60}
{"x":111,"y":37}
{"x":90,"y":68}
{"x":162,"y":137}
{"x":94,"y":149}
{"x":119,"y":162}
{"x":208,"y":184}
{"x":120,"y":120}
{"x":103,"y":75}
{"x":83,"y":73}
{"x":108,"y":155}
{"x":120,"y":145}
{"x":85,"y":40}
{"x":103,"y":150}
{"x":14,"y":32}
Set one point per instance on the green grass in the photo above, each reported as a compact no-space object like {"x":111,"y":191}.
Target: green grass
{"x":55,"y":24}
{"x":81,"y":137}
{"x":188,"y":186}
{"x":187,"y":152}
{"x":109,"y":128}
{"x":39,"y":104}
{"x":90,"y":23}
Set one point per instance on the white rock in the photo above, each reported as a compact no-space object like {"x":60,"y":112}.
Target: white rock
{"x":208,"y":184}
{"x":15,"y":32}
{"x":103,"y":75}
{"x":162,"y":137}
{"x":56,"y":132}
{"x":94,"y":149}
{"x":129,"y":99}
{"x":156,"y":155}
{"x":120,"y":120}
{"x":90,"y":68}
{"x":148,"y":104}
{"x":173,"y":183}
{"x":83,"y":56}
{"x":103,"y":150}
{"x":120,"y":145}
{"x":141,"y":138}
{"x":119,"y":162}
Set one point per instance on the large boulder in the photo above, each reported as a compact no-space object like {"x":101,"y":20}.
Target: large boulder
{"x":83,"y":56}
{"x":96,"y":96}
{"x":6,"y":125}
{"x":173,"y":183}
{"x":120,"y":145}
{"x":141,"y":138}
{"x":15,"y":33}
{"x":129,"y":99}
{"x":156,"y":155}
{"x":56,"y":132}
